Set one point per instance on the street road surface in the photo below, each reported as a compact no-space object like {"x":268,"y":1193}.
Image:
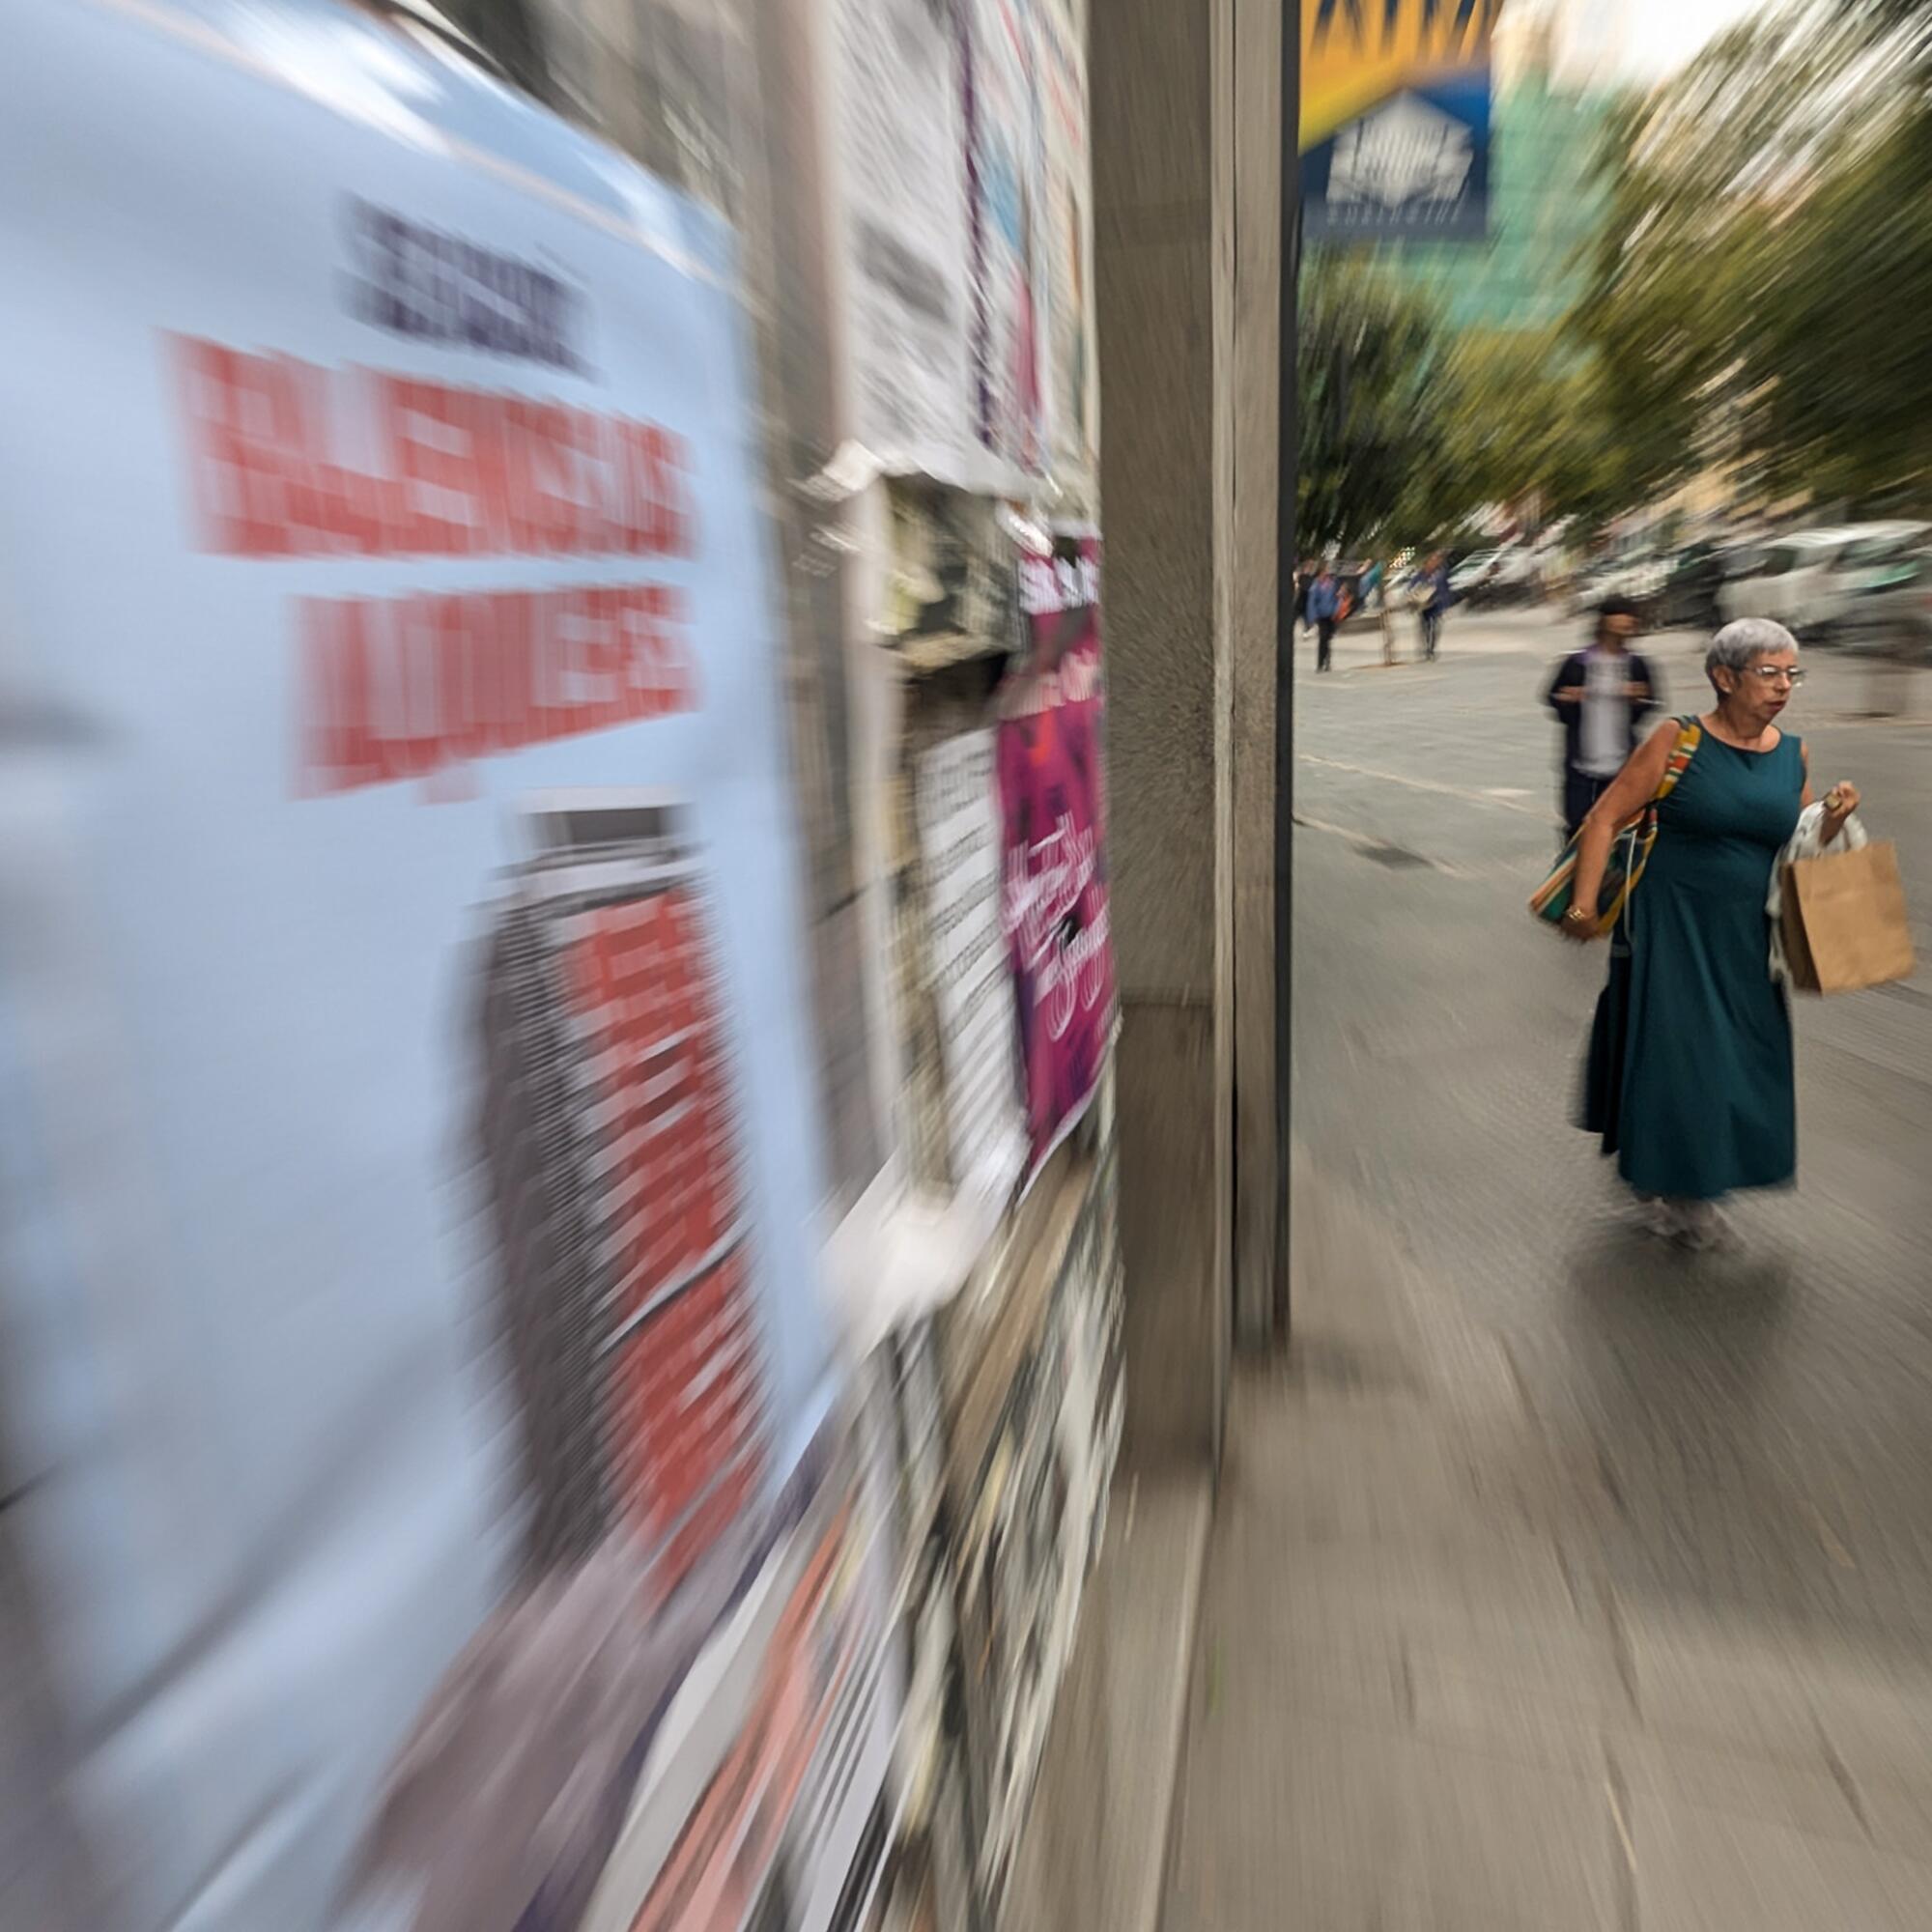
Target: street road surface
{"x":1439,"y":1037}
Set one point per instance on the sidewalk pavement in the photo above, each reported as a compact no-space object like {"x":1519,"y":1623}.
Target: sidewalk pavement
{"x":1421,"y":1705}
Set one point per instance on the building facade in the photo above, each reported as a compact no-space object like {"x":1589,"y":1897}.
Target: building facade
{"x":1547,"y":209}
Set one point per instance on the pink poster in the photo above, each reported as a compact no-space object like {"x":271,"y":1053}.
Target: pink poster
{"x":1053,"y":813}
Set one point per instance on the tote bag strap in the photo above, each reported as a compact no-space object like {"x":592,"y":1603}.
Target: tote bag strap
{"x":1689,"y":735}
{"x":1642,"y":830}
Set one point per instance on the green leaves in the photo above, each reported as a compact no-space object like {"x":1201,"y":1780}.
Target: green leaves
{"x":1369,"y":417}
{"x":1757,"y":302}
{"x":1762,"y":292}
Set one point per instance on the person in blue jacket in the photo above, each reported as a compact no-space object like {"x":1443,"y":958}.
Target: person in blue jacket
{"x":1600,"y":695}
{"x":1324,"y":605}
{"x":1436,"y":598}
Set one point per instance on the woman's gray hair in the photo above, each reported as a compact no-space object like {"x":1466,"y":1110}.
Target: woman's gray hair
{"x":1743,"y":642}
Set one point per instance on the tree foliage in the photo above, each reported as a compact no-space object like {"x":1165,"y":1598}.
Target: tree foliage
{"x":1840,"y":348}
{"x":1763,"y":285}
{"x":1523,"y":417}
{"x":1907,"y":24}
{"x":1759,"y":296}
{"x":1407,"y":429}
{"x":1368,"y":349}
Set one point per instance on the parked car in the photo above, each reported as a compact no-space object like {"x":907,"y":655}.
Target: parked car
{"x":1638,"y":575}
{"x":1506,"y":575}
{"x":1689,"y":598}
{"x":1838,"y":587}
{"x":1773,"y":577}
{"x":1587,"y":586}
{"x":1642,"y":578}
{"x":1517,"y":577}
{"x":1789,"y":580}
{"x":1888,"y":607}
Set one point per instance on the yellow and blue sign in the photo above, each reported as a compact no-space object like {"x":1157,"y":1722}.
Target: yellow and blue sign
{"x":1395,"y":118}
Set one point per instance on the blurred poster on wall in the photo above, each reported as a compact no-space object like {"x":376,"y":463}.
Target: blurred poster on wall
{"x":1006,"y":181}
{"x":1052,"y":779}
{"x":1073,"y":385}
{"x":1395,"y":119}
{"x":414,"y":1361}
{"x":948,"y":589}
{"x":1032,"y":1481}
{"x":956,"y":807}
{"x":759,"y":1798}
{"x":942,"y":234}
{"x":903,"y":264}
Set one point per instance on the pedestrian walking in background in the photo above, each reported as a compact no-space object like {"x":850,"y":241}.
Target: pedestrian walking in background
{"x":1376,"y":599}
{"x":1379,"y":579}
{"x":1324,"y":604}
{"x":1435,"y":601}
{"x":1304,"y":576}
{"x":1600,"y":695}
{"x":1690,"y":1079}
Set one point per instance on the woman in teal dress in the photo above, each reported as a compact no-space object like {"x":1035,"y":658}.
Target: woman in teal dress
{"x":1704,"y":1099}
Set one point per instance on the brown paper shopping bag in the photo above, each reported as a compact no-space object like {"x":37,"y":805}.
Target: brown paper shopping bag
{"x":1844,"y":921}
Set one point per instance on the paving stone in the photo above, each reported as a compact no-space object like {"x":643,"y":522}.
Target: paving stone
{"x":1880,"y":1730}
{"x":1499,"y":1585}
{"x":1491,"y":1704}
{"x":1805,"y":1797}
{"x":1898,"y":1813}
{"x":1698,"y":1695}
{"x":1333,"y":1827}
{"x":1091,"y":1857}
{"x":1697,"y":1871}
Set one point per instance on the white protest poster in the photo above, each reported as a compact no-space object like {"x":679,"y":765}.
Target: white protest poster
{"x":411,"y":1349}
{"x":1073,"y":370}
{"x":955,"y":803}
{"x":896,"y":97}
{"x":1008,"y":180}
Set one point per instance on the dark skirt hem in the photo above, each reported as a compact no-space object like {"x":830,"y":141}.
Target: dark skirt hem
{"x":1783,"y":1182}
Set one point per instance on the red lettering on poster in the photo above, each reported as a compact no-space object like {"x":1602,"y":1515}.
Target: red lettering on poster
{"x":466,"y":472}
{"x":401,"y":688}
{"x":687,"y":1381}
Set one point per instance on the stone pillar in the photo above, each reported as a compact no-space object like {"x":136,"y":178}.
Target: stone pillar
{"x":1187,"y":440}
{"x":1247,"y":406}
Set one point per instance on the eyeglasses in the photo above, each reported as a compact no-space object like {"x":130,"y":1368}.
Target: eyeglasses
{"x":1773,"y":673}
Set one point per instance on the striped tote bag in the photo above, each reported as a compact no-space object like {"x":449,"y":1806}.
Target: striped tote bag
{"x":1630,"y":849}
